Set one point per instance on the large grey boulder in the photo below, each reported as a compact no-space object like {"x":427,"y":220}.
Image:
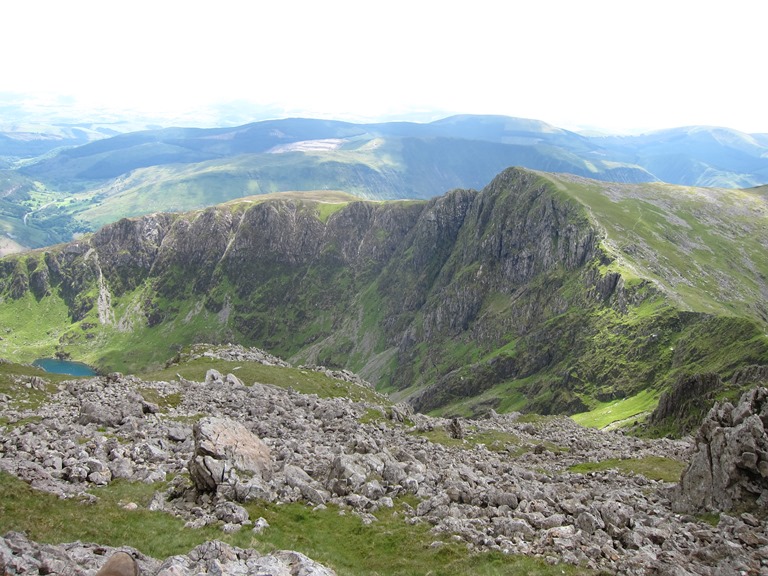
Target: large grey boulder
{"x":229,"y":458}
{"x":729,"y":468}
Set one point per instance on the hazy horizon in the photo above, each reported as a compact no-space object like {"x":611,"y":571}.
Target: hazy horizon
{"x":594,"y":65}
{"x":39,"y":112}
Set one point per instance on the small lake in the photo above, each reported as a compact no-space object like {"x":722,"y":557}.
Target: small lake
{"x":67,"y":367}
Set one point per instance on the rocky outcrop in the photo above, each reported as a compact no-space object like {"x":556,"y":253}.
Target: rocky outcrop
{"x":229,"y":352}
{"x":750,"y":375}
{"x":683,"y":405}
{"x":729,"y":468}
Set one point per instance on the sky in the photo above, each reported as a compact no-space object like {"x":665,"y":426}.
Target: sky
{"x":609,"y":65}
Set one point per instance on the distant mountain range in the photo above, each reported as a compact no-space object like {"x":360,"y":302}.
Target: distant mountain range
{"x":78,"y":178}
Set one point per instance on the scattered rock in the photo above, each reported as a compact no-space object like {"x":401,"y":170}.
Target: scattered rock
{"x":18,"y":555}
{"x":265,"y":442}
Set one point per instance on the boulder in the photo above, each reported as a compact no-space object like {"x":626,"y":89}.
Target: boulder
{"x":227,"y":454}
{"x":119,"y":564}
{"x":231,"y":513}
{"x":345,"y":475}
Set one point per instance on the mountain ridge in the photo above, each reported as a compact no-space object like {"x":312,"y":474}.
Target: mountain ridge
{"x":507,"y":298}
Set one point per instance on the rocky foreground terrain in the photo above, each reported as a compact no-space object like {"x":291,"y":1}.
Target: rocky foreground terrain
{"x":226,"y":442}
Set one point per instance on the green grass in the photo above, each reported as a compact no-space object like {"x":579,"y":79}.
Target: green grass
{"x":325,"y":210}
{"x":380,"y":416}
{"x":163,"y":402}
{"x":652,"y":467}
{"x":46,"y":518}
{"x":618,"y":411}
{"x":386,"y":547}
{"x":389,"y":546}
{"x":711,"y":518}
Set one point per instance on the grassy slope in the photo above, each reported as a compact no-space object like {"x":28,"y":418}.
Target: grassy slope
{"x":704,"y":246}
{"x":386,"y":547}
{"x":705,"y":249}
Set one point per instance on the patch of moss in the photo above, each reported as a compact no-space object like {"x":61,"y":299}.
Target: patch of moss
{"x":626,"y":410}
{"x":164,"y":402}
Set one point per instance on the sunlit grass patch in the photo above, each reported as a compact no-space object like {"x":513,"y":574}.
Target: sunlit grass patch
{"x":388,"y":546}
{"x":606,"y":413}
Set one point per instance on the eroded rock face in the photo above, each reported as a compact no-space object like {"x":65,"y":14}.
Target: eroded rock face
{"x":228,"y":456}
{"x":729,"y":468}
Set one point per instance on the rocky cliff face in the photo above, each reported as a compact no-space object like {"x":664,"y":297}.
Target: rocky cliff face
{"x":441,"y":299}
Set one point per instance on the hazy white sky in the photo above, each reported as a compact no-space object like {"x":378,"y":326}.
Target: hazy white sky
{"x":608,"y":64}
